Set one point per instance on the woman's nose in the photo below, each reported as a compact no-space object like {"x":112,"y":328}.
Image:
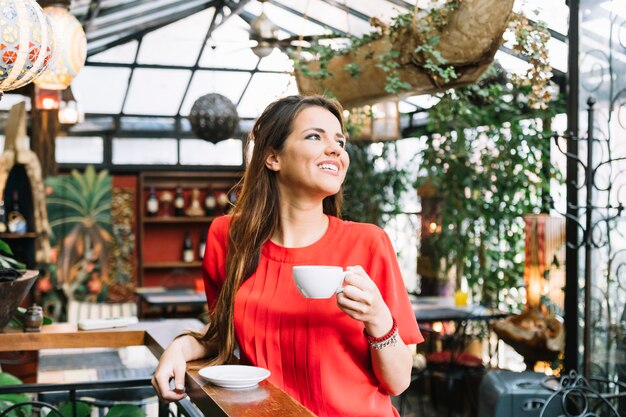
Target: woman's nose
{"x":333,"y":147}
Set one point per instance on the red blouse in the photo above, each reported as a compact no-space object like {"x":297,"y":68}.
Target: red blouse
{"x":316,"y":352}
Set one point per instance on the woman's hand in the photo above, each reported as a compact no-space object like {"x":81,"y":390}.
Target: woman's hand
{"x":171,"y":365}
{"x":362,"y":301}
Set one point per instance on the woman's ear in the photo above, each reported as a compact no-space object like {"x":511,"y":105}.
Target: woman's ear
{"x":272,"y":162}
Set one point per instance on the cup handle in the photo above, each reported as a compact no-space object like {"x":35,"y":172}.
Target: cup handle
{"x":340,"y":289}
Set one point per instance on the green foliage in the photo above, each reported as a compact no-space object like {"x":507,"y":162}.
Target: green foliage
{"x":6,"y":257}
{"x":125,"y":410}
{"x":488,"y":159}
{"x":79,"y":209}
{"x":83,"y":409}
{"x":8,"y":400}
{"x":426,"y":28}
{"x":373,"y":184}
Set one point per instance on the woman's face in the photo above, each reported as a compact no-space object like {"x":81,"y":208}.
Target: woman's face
{"x":313,"y":161}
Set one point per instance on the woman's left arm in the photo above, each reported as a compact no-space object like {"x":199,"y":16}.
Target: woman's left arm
{"x":362,"y":300}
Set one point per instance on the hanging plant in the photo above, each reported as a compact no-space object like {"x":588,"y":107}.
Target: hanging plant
{"x":531,"y":40}
{"x":488,"y":159}
{"x":423,"y":51}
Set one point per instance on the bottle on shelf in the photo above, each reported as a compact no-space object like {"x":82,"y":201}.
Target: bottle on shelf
{"x":210,"y":203}
{"x":179,"y":203}
{"x":166,"y":202}
{"x":195,"y":209}
{"x":3,"y":218}
{"x":152,"y":204}
{"x":202,"y":245}
{"x":16,"y":220}
{"x":222,"y":202}
{"x":187,"y":248}
{"x":232,"y":198}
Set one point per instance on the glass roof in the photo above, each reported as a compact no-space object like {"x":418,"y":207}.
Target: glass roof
{"x":154,"y":58}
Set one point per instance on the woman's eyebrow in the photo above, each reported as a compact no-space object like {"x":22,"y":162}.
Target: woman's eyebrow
{"x":320,"y":130}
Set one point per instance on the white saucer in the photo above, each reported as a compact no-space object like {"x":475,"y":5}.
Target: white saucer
{"x":234,"y":376}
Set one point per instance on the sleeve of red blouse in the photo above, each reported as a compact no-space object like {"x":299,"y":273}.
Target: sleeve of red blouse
{"x":385,"y":271}
{"x":214,"y":262}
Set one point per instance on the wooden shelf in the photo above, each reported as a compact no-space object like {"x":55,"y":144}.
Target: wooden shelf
{"x":185,"y":219}
{"x":161,"y":234}
{"x":28,"y":235}
{"x":166,"y":265}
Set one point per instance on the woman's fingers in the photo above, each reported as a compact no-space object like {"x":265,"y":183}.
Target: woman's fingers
{"x":161,"y":384}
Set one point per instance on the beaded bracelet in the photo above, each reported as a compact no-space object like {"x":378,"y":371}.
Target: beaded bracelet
{"x":380,"y":342}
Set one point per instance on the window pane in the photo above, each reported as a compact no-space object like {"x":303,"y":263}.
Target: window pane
{"x":8,"y":100}
{"x":122,"y":54}
{"x":145,"y":151}
{"x":156,"y":92}
{"x":200,"y":152}
{"x":319,"y":10}
{"x":101,"y":90}
{"x":276,"y":61}
{"x":229,"y":47}
{"x":78,"y":150}
{"x":228,"y":84}
{"x":288,"y":21}
{"x":178,"y":43}
{"x":264,"y":89}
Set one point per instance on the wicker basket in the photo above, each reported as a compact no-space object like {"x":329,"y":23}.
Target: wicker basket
{"x":468,"y":42}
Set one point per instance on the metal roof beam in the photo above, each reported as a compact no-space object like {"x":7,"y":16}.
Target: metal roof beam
{"x":92,"y":13}
{"x":177,"y":67}
{"x":123,"y":32}
{"x":309,"y":18}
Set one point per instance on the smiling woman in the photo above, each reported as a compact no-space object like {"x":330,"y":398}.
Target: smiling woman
{"x":287,"y":215}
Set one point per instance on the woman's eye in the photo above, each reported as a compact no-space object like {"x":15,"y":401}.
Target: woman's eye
{"x":342,"y":143}
{"x":313,"y":136}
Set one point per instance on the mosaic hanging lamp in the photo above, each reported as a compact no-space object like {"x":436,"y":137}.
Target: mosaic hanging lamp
{"x":214,"y":118}
{"x":26,"y":43}
{"x":71,"y":48}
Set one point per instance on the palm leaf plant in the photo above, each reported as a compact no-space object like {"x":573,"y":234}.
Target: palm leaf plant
{"x":79,"y":208}
{"x":7,"y":258}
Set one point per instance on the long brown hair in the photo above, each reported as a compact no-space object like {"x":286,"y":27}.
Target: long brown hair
{"x":255,"y":217}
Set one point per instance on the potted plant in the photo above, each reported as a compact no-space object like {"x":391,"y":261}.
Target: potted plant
{"x":423,"y":51}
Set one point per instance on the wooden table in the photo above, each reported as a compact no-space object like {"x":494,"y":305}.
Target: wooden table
{"x":265,"y":400}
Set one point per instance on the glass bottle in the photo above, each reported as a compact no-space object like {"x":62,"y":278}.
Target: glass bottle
{"x":179,"y":203}
{"x":210,"y":203}
{"x":152,"y":204}
{"x":222,"y":202}
{"x":202,"y":245}
{"x":187,"y":248}
{"x":16,"y":222}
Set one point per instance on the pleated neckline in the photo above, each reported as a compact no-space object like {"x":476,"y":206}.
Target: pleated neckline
{"x":304,"y":254}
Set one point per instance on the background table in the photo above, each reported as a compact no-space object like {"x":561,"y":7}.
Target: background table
{"x":170,"y":302}
{"x":433,"y":309}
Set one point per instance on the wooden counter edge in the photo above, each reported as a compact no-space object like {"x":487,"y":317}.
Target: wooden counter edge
{"x":265,"y":400}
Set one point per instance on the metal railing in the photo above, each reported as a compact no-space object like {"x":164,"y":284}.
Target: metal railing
{"x":89,"y":393}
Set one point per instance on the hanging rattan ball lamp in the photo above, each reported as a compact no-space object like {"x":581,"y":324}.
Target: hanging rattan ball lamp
{"x":214,"y":118}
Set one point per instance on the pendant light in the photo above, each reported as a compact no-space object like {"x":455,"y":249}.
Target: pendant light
{"x":71,"y":47}
{"x":26,"y":43}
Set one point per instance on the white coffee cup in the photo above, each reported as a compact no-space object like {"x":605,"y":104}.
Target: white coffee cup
{"x":319,"y":281}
